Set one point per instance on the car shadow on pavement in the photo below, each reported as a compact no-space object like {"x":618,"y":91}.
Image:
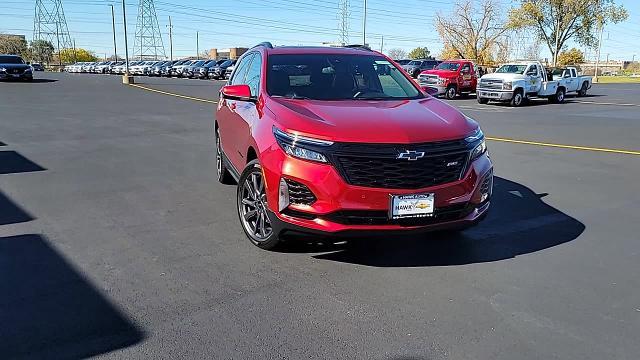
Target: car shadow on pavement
{"x":11,"y":213}
{"x":2,"y":144}
{"x":49,"y":310}
{"x":12,"y":162}
{"x":34,"y":81}
{"x":518,"y":223}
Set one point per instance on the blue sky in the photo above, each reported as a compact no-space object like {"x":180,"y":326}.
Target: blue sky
{"x":224,"y":23}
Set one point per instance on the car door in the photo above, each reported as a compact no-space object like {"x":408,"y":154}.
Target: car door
{"x":465,"y":77}
{"x":534,"y":79}
{"x":230,"y":113}
{"x":249,"y":111}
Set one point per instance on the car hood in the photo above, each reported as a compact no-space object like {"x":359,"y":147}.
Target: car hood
{"x":15,"y":66}
{"x":386,"y":121}
{"x":441,"y":73}
{"x":503,"y":76}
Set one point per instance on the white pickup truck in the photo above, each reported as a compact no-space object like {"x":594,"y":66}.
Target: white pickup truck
{"x":516,"y":82}
{"x":573,"y":81}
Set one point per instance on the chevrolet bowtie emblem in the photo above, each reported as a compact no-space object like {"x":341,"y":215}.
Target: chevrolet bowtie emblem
{"x":411,"y":155}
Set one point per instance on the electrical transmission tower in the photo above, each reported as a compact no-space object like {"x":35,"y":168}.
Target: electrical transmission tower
{"x":148,"y":43}
{"x":50,"y":24}
{"x":344,"y":13}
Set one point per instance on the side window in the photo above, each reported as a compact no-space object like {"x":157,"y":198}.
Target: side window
{"x":533,"y":70}
{"x":466,"y":69}
{"x":241,"y":70}
{"x":253,"y":74}
{"x":573,"y":73}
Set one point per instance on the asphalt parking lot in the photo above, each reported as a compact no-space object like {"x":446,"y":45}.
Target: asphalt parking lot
{"x":117,"y":241}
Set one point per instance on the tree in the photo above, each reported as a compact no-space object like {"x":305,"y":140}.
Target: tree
{"x":70,"y":56}
{"x":419,"y":53}
{"x":13,"y":45}
{"x":571,"y":57}
{"x":397,"y":53}
{"x":557,"y":21}
{"x":41,"y":51}
{"x":473,"y":31}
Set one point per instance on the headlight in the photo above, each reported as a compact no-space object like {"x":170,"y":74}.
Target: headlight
{"x":507,"y":85}
{"x":477,"y":141}
{"x":298,"y":146}
{"x":3,"y":69}
{"x":441,"y":80}
{"x":28,"y":70}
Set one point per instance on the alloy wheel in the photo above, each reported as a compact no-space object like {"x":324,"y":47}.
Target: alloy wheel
{"x":253,"y":207}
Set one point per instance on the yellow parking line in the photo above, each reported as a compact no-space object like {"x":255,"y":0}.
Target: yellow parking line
{"x":602,"y":103}
{"x":172,"y":94}
{"x":574,"y":147}
{"x":514,"y":141}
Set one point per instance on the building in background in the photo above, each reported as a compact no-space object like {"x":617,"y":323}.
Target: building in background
{"x":231,"y":53}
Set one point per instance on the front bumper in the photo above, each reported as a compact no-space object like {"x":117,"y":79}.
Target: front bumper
{"x":335,"y":197}
{"x":441,"y":89}
{"x":499,"y":95}
{"x":21,"y":76}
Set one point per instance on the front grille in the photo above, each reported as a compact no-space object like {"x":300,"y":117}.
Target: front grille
{"x":381,"y":217}
{"x":16,"y":71}
{"x":300,"y":193}
{"x":428,"y":79}
{"x":491,"y":84}
{"x":378,"y":165}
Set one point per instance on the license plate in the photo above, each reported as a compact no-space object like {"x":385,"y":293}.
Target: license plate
{"x":16,"y":75}
{"x":415,"y":205}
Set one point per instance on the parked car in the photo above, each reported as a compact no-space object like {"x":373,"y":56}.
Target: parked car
{"x":341,"y":141}
{"x":201,"y":72}
{"x":142,"y":68}
{"x":218,"y":71}
{"x":12,"y":67}
{"x":575,"y":82}
{"x":451,"y":78}
{"x":516,"y":82}
{"x":37,"y":67}
{"x":176,"y":70}
{"x":157,"y":68}
{"x":414,"y":67}
{"x":229,"y":71}
{"x":188,"y":71}
{"x":103,"y":67}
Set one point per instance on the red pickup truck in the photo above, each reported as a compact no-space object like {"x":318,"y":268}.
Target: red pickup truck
{"x":451,"y":78}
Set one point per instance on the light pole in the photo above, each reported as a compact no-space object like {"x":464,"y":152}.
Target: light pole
{"x":595,"y":78}
{"x":113,"y":24}
{"x":364,"y":25}
{"x":170,"y":40}
{"x":126,"y":78}
{"x":197,"y":45}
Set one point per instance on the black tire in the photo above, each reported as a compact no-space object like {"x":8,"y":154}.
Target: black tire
{"x":224,"y":176}
{"x":517,"y":99}
{"x":253,"y":210}
{"x":482,"y":100}
{"x":451,"y":92}
{"x":559,"y":97}
{"x":583,"y":90}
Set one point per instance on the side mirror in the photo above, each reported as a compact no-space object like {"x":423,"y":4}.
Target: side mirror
{"x":430,"y":90}
{"x":237,"y":92}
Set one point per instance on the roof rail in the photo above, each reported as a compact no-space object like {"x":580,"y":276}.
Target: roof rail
{"x":358,"y":46}
{"x":265,"y":44}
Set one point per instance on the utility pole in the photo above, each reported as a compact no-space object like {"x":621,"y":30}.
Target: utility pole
{"x":59,"y":57}
{"x":113,"y":23}
{"x":197,"y":45}
{"x":595,"y":78}
{"x":75,"y":59}
{"x":364,"y":25}
{"x":382,"y":43}
{"x":170,"y":39}
{"x":127,"y":78}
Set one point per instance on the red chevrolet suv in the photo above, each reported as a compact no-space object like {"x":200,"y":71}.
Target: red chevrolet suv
{"x":341,"y":141}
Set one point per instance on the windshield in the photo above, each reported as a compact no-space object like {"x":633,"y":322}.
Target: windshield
{"x":448,"y":66}
{"x":415,"y":62}
{"x":512,"y":69}
{"x":227,"y":63}
{"x":337,"y":77}
{"x":10,"y":60}
{"x":199,"y":63}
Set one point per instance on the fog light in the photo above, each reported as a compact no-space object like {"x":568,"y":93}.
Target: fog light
{"x":487,"y":187}
{"x":283,"y":195}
